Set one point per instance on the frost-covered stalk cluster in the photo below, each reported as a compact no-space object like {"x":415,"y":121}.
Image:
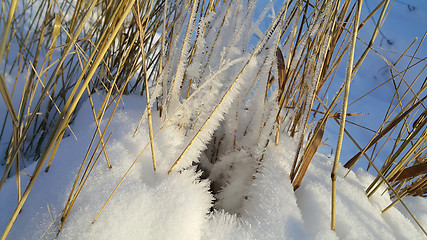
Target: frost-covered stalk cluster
{"x":213,"y":88}
{"x":220,"y":87}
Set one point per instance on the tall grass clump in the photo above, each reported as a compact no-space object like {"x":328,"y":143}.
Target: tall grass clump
{"x":70,"y":52}
{"x":206,"y":67}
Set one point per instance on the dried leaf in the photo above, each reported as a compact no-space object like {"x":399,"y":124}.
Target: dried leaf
{"x":281,"y":68}
{"x":309,"y":152}
{"x":413,"y":171}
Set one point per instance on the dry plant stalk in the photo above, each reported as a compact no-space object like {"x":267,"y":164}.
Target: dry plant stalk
{"x":5,"y":34}
{"x":344,"y":110}
{"x":147,"y":91}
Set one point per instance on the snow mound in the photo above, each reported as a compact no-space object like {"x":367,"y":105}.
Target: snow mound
{"x":150,"y":205}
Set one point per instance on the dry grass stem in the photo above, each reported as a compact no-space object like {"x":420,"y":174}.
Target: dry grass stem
{"x":344,"y":110}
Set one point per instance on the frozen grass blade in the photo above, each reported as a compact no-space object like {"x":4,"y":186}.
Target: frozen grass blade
{"x":176,"y":83}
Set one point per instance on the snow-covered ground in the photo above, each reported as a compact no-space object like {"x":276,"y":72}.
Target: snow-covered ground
{"x":155,"y":205}
{"x":151,"y":205}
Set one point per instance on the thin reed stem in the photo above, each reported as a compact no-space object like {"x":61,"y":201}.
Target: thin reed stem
{"x":344,"y":112}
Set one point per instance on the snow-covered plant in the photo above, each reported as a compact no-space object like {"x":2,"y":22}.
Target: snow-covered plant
{"x":223,"y":81}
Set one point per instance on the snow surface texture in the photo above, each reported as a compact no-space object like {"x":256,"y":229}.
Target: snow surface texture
{"x":152,"y":205}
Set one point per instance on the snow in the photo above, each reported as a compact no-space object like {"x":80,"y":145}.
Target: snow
{"x":151,"y":205}
{"x":219,"y":190}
